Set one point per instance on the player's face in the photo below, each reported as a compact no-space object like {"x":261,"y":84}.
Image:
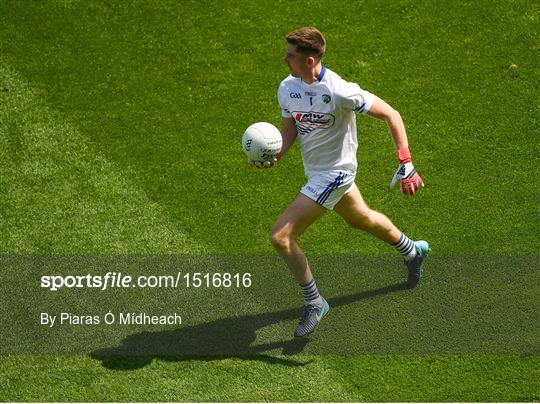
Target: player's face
{"x":297,"y":62}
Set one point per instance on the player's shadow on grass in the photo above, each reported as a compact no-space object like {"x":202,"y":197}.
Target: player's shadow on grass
{"x":230,"y":337}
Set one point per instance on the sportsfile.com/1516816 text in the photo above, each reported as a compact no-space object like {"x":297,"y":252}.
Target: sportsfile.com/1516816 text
{"x":119,"y":280}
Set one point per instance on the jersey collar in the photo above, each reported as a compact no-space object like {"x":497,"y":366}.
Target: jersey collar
{"x":321,"y":74}
{"x":319,"y":77}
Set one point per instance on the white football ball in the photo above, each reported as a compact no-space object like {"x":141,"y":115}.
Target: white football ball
{"x":262,"y":141}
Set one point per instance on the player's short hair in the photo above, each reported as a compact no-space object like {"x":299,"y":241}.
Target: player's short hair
{"x":308,"y":40}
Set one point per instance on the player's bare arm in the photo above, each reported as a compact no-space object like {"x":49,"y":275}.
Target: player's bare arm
{"x":289,"y":133}
{"x":381,"y":110}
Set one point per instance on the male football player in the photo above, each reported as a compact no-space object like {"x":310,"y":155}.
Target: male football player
{"x":319,"y":107}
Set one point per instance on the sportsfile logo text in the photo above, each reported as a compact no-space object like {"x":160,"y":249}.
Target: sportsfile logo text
{"x":109,"y":280}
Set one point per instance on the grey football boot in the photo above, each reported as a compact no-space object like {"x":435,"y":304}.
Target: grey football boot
{"x":311,"y":317}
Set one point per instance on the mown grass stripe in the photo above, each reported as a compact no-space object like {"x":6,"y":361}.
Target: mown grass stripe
{"x":59,"y":194}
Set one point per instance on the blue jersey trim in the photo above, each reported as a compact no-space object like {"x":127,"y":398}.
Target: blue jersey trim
{"x":321,"y":74}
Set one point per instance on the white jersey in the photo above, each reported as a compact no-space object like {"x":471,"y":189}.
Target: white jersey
{"x":324,"y":112}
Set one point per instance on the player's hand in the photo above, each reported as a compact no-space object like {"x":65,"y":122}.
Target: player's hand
{"x":266,"y":164}
{"x":409,"y":179}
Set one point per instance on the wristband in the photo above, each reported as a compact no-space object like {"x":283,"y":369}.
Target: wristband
{"x":404,"y":155}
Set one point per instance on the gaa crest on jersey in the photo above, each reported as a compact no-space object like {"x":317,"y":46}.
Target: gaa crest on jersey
{"x":309,"y":121}
{"x":326,"y":98}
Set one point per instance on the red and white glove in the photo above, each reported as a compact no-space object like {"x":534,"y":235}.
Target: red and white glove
{"x":406,"y":174}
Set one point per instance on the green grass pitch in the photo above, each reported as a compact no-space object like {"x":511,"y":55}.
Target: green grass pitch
{"x":120,"y":128}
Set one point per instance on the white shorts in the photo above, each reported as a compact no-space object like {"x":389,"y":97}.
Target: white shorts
{"x":328,"y":188}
